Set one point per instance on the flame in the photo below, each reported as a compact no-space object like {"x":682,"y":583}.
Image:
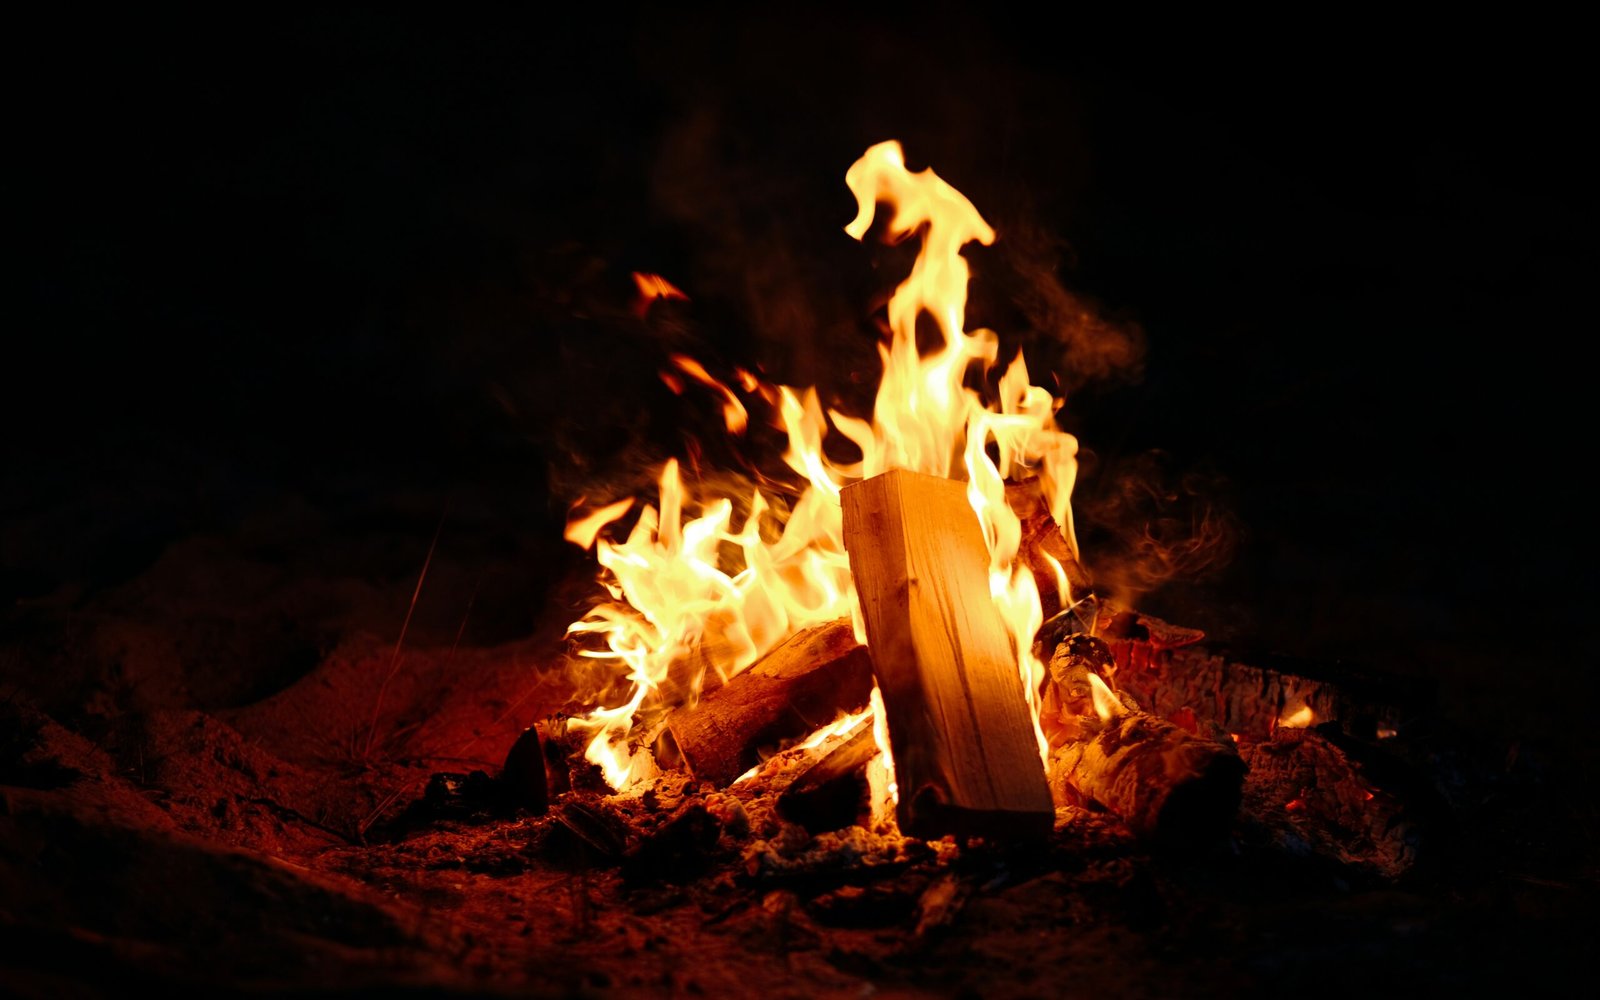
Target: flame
{"x":1106,"y":704}
{"x":698,"y":595}
{"x":652,"y":287}
{"x":734,"y":415}
{"x":1300,"y":718}
{"x":582,"y":531}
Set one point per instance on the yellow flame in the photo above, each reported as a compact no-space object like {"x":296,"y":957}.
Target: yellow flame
{"x":582,"y":531}
{"x":1106,"y":704}
{"x":698,"y":595}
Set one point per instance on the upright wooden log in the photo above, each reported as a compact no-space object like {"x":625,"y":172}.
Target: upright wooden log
{"x":965,"y":755}
{"x":803,"y":683}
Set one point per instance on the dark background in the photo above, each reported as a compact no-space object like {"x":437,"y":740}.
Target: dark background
{"x":356,"y":274}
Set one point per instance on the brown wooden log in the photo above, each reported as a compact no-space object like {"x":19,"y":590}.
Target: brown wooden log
{"x":1170,"y":787}
{"x":803,"y":683}
{"x":965,"y":756}
{"x":1168,"y":672}
{"x":834,"y":792}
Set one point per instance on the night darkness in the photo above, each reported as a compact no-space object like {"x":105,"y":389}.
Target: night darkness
{"x":331,"y":283}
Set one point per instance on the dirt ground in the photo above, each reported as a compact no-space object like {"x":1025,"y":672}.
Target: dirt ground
{"x":225,"y":787}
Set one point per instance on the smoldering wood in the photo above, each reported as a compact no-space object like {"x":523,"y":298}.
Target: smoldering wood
{"x":1067,"y":700}
{"x":1167,"y":784}
{"x":1308,"y":796}
{"x":566,"y":769}
{"x":1170,"y":787}
{"x":803,"y":683}
{"x":965,"y":754}
{"x":1167,"y":670}
{"x":835,"y":792}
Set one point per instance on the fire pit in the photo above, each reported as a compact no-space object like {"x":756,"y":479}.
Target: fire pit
{"x":839,"y":690}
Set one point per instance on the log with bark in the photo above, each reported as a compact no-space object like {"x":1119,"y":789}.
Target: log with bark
{"x":1169,"y":674}
{"x":803,"y":683}
{"x":965,"y":755}
{"x":1169,"y":786}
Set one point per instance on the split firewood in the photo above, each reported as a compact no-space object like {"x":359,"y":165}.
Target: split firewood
{"x":803,"y":683}
{"x":1169,"y":673}
{"x":835,"y":792}
{"x":965,"y":756}
{"x":1169,"y":786}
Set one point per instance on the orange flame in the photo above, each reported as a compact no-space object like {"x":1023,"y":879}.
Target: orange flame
{"x":733,"y":411}
{"x":700,"y":594}
{"x":652,"y":287}
{"x":1300,"y":718}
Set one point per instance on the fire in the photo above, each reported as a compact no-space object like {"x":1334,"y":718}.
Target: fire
{"x":692,"y":595}
{"x":1300,"y":718}
{"x":652,"y":287}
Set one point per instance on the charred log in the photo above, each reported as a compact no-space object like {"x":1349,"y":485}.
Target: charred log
{"x":835,"y":791}
{"x":1168,"y":785}
{"x":1309,"y":797}
{"x":1166,"y":670}
{"x":523,"y":780}
{"x":801,"y":684}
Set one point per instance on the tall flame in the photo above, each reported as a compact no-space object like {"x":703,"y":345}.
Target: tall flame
{"x":698,"y":595}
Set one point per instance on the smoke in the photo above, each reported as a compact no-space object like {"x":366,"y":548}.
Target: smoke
{"x":1145,"y":525}
{"x":1065,"y":332}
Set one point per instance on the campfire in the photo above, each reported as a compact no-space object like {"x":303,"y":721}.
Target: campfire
{"x":904,"y":644}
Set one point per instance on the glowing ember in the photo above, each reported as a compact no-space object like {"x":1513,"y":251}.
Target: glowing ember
{"x":1300,"y":718}
{"x":692,"y":594}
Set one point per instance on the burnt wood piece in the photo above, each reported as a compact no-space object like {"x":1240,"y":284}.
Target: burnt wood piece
{"x":1066,"y":699}
{"x":523,"y":779}
{"x":1169,"y":786}
{"x":1042,"y":536}
{"x":1308,"y":796}
{"x":834,"y":792}
{"x":803,"y":683}
{"x":965,"y":755}
{"x":1166,"y":671}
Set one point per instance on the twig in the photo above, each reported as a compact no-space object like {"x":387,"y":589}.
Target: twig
{"x":394,"y":659}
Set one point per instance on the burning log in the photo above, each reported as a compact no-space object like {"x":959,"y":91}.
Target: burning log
{"x":803,"y":683}
{"x":834,"y":792}
{"x":1169,"y":786}
{"x":1043,"y":541}
{"x":965,"y":757}
{"x":1167,"y":672}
